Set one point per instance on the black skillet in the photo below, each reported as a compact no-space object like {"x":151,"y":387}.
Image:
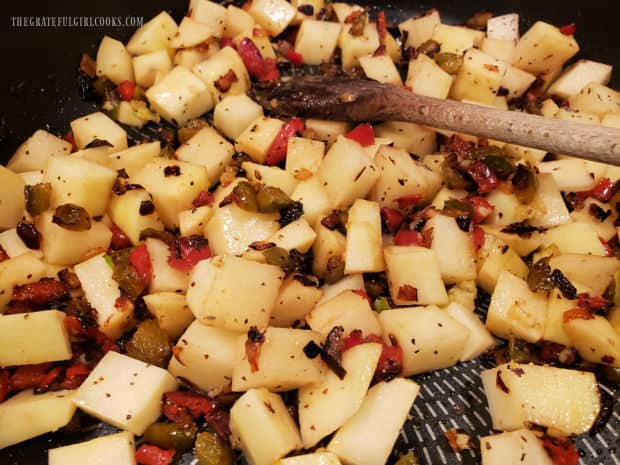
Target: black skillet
{"x":38,"y":89}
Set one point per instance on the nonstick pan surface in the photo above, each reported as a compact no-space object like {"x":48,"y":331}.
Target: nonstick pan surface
{"x":38,"y":89}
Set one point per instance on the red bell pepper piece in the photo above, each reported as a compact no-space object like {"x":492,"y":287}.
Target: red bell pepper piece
{"x":294,"y":57}
{"x":203,"y":199}
{"x":29,"y":376}
{"x":481,"y":208}
{"x":353,"y":339}
{"x":478,"y":238}
{"x":119,"y":238}
{"x":483,"y":176}
{"x":604,"y":190}
{"x":40,"y":293}
{"x":392,"y":218}
{"x":577,"y":313}
{"x":593,"y":303}
{"x":227,"y":42}
{"x":196,"y":405}
{"x":69,"y":138}
{"x":409,"y":237}
{"x":141,"y":261}
{"x":381,"y":27}
{"x":5,"y":385}
{"x":568,"y":29}
{"x":390,"y":362}
{"x":148,"y":454}
{"x":363,"y":134}
{"x":126,"y":90}
{"x":409,"y":200}
{"x":562,"y":451}
{"x":259,"y":68}
{"x":185,"y":252}
{"x":3,"y":255}
{"x":362,"y":293}
{"x":75,"y":376}
{"x":606,"y":247}
{"x":277,"y":150}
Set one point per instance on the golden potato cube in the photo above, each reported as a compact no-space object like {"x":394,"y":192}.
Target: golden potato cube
{"x":544,"y":48}
{"x":257,"y":138}
{"x":595,"y":339}
{"x":298,"y":295}
{"x":579,"y":75}
{"x":327,"y":244}
{"x":210,"y":70}
{"x":313,"y":196}
{"x":134,"y":158}
{"x":503,"y":50}
{"x":12,"y":200}
{"x":576,"y":238}
{"x":353,"y":47}
{"x":154,"y":35}
{"x":454,"y":249}
{"x":234,"y":113}
{"x":273,"y":15}
{"x":454,"y":39}
{"x":380,"y":68}
{"x":35,"y":151}
{"x":116,"y":448}
{"x":150,"y":67}
{"x":420,"y":29}
{"x":270,"y":176}
{"x":504,"y":27}
{"x":126,"y":211}
{"x":480,"y":340}
{"x":325,"y":130}
{"x":425,"y":77}
{"x":98,"y":126}
{"x":209,"y":13}
{"x":316,"y":40}
{"x":191,"y":33}
{"x":194,"y":221}
{"x":479,"y":77}
{"x":23,"y":269}
{"x":164,"y":277}
{"x":592,"y":271}
{"x":364,"y":250}
{"x":412,"y":137}
{"x":303,"y":157}
{"x":496,"y":448}
{"x":516,"y":81}
{"x":297,"y":235}
{"x":595,"y":99}
{"x":114,"y":61}
{"x":171,"y":312}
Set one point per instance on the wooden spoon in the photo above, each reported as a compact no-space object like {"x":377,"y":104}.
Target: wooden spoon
{"x":358,"y":100}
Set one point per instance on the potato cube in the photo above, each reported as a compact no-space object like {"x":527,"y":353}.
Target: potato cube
{"x":27,"y":415}
{"x":494,"y":257}
{"x":347,"y":172}
{"x":317,"y":40}
{"x":595,"y":99}
{"x":205,"y":356}
{"x":312,"y":195}
{"x":314,"y":458}
{"x":420,"y":29}
{"x":544,"y":48}
{"x":257,"y":138}
{"x":114,"y":61}
{"x":480,"y":340}
{"x":34,"y":153}
{"x":325,"y":406}
{"x":298,"y":295}
{"x":328,"y":247}
{"x":180,"y":96}
{"x":604,"y":229}
{"x":516,"y":310}
{"x":233,"y":293}
{"x":368,"y":437}
{"x":364,"y":250}
{"x":62,"y":246}
{"x":116,"y":448}
{"x":164,"y":277}
{"x":454,"y":39}
{"x":264,"y":411}
{"x":349,"y":310}
{"x":282,"y":364}
{"x":504,"y":27}
{"x":188,"y":58}
{"x":209,"y":13}
{"x":499,"y":449}
{"x":569,"y":174}
{"x":234,"y":113}
{"x":14,"y":246}
{"x":12,"y":200}
{"x":516,"y":81}
{"x":549,"y":207}
{"x":303,"y":157}
{"x":225,"y":60}
{"x":170,"y":311}
{"x":429,"y":337}
{"x":154,"y":35}
{"x":556,"y":306}
{"x":98,"y":126}
{"x":102,"y":293}
{"x":503,"y":50}
{"x":209,"y":149}
{"x":31,"y":338}
{"x":194,"y":221}
{"x":414,"y":276}
{"x":297,"y":235}
{"x":127,"y":211}
{"x":523,"y":246}
{"x":346,"y":283}
{"x":479,"y":78}
{"x":134,"y":158}
{"x":273,"y":15}
{"x":237,"y":22}
{"x":595,"y":339}
{"x":326,"y":130}
{"x":270,"y":176}
{"x":593,"y":271}
{"x":380,"y":68}
{"x":191,"y":33}
{"x":565,"y":401}
{"x":576,"y":238}
{"x":578,"y":75}
{"x":412,"y":137}
{"x":174,"y":185}
{"x":425,"y":77}
{"x":124,"y":392}
{"x":454,"y":249}
{"x":150,"y":67}
{"x":352,"y":48}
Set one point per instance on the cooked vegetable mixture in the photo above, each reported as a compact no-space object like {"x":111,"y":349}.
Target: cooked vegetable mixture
{"x":250,"y":285}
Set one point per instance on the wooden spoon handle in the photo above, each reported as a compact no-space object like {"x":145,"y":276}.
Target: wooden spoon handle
{"x":357,"y":100}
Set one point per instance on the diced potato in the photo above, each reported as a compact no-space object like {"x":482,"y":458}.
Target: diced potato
{"x":544,"y":48}
{"x":402,"y":176}
{"x":352,"y":48}
{"x":533,"y":156}
{"x":454,"y":249}
{"x":479,"y":78}
{"x":237,"y":22}
{"x":12,"y":200}
{"x":170,"y":311}
{"x":325,"y":406}
{"x":610,"y":119}
{"x":173,"y":185}
{"x":257,"y":138}
{"x":516,"y":81}
{"x":326,"y":130}
{"x":595,"y":339}
{"x":205,"y":356}
{"x":270,"y":176}
{"x":273,"y":15}
{"x":380,"y":68}
{"x":209,"y":149}
{"x":576,"y":238}
{"x":154,"y":35}
{"x":548,"y":109}
{"x":507,"y":208}
{"x":556,"y":306}
{"x":297,"y":297}
{"x":124,"y":392}
{"x":368,"y":437}
{"x":180,"y":96}
{"x":297,"y":235}
{"x":565,"y":401}
{"x":150,"y":67}
{"x":218,"y":65}
{"x":209,"y":13}
{"x":364,"y":253}
{"x":516,"y":310}
{"x":480,"y":340}
{"x":317,"y":5}
{"x":98,"y":126}
{"x":282,"y":364}
{"x":193,"y":221}
{"x":134,"y":158}
{"x":569,"y":174}
{"x":595,"y":272}
{"x":520,"y":446}
{"x":102,"y":293}
{"x":116,"y":448}
{"x":501,"y":49}
{"x":349,"y":310}
{"x":605,"y":228}
{"x":31,"y":178}
{"x":414,"y":276}
{"x":549,"y":207}
{"x":577,"y":116}
{"x":190,"y":57}
{"x":27,"y":415}
{"x":164,"y":277}
{"x":454,"y":39}
{"x":496,"y":257}
{"x":62,"y":246}
{"x":191,"y":33}
{"x":13,"y":245}
{"x":327,"y":244}
{"x":429,"y":337}
{"x":521,"y":245}
{"x":234,"y":113}
{"x":412,"y":137}
{"x":114,"y":61}
{"x":23,"y":269}
{"x":425,"y":77}
{"x":595,"y":99}
{"x":233,"y":293}
{"x":346,"y":283}
{"x":315,"y":458}
{"x":420,"y":29}
{"x":259,"y":410}
{"x":317,"y":40}
{"x":578,"y":75}
{"x":31,"y":338}
{"x":35,"y":151}
{"x":303,"y":157}
{"x":505,"y":27}
{"x":125,"y":212}
{"x":464,"y":294}
{"x":347,"y":172}
{"x":312,"y":195}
